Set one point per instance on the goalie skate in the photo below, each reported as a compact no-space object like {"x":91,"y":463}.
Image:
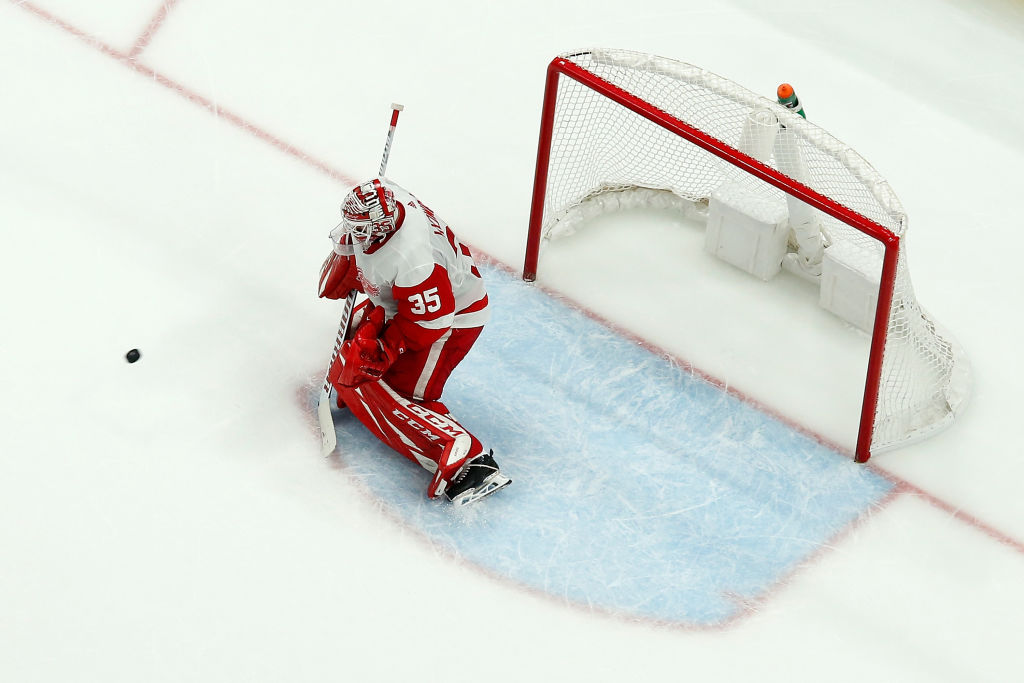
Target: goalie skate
{"x":478,"y":479}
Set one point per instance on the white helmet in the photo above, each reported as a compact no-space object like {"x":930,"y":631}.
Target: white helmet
{"x":369,"y":213}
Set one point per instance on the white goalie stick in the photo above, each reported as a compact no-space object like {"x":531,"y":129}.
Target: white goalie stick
{"x":328,"y":435}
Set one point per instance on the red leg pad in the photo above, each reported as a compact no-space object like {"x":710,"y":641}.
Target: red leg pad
{"x":425,"y":434}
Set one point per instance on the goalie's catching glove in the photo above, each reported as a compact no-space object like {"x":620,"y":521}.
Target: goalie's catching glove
{"x":338,"y":277}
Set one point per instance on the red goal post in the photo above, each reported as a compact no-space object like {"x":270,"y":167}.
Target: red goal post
{"x":681,"y":127}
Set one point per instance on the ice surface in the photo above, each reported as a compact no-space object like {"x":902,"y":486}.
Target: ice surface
{"x":638,"y":487}
{"x":171,"y":519}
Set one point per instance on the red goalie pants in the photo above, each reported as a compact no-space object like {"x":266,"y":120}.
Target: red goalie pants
{"x":421,"y":375}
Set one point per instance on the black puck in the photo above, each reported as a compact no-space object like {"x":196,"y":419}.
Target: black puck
{"x":133,"y":355}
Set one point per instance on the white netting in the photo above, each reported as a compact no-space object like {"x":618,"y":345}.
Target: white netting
{"x":600,"y":150}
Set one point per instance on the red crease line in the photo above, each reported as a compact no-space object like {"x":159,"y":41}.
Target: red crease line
{"x":128,"y":60}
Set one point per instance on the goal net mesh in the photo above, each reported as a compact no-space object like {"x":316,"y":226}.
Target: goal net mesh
{"x":601,"y":149}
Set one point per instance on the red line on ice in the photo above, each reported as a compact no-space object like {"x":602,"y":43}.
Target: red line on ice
{"x":190,"y":95}
{"x":748,"y":606}
{"x":907,"y":488}
{"x":154,"y":25}
{"x":902,"y":486}
{"x":693,"y":370}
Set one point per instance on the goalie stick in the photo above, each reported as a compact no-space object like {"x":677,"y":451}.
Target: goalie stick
{"x":328,"y":435}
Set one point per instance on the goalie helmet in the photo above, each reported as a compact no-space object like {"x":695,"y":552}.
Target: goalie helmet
{"x":369,"y":214}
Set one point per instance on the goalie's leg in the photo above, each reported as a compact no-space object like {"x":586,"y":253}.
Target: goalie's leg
{"x":423,"y":432}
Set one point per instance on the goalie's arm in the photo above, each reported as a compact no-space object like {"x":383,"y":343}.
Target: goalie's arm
{"x":425,"y":313}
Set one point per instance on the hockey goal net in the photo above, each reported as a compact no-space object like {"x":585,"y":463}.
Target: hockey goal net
{"x":622,"y":128}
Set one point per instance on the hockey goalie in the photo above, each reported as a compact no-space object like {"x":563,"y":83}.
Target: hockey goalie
{"x":426,"y":305}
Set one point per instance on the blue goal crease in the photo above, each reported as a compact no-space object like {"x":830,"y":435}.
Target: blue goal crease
{"x":638,"y":488}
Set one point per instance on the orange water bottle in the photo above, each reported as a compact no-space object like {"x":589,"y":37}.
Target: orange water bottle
{"x":787,"y":98}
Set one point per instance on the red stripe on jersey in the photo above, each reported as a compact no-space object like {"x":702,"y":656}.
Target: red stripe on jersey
{"x":461,"y":249}
{"x":464,"y":250}
{"x":451,"y":240}
{"x":478,"y":305}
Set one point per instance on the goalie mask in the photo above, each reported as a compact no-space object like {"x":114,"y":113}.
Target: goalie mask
{"x":369,"y":214}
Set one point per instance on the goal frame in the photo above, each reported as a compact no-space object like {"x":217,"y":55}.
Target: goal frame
{"x":560,"y":67}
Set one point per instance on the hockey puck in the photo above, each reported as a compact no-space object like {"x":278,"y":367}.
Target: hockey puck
{"x":133,"y":355}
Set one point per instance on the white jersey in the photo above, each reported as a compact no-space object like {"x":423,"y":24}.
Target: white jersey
{"x":421,"y":272}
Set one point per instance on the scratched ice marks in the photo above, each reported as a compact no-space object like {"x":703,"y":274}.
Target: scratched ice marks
{"x":638,"y":489}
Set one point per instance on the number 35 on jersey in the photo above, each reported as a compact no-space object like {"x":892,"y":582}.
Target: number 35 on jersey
{"x":425,"y":302}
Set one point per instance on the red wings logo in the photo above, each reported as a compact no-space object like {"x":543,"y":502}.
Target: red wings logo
{"x":368,"y":287}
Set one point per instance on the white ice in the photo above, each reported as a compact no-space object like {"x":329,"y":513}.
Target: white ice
{"x":171,"y":520}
